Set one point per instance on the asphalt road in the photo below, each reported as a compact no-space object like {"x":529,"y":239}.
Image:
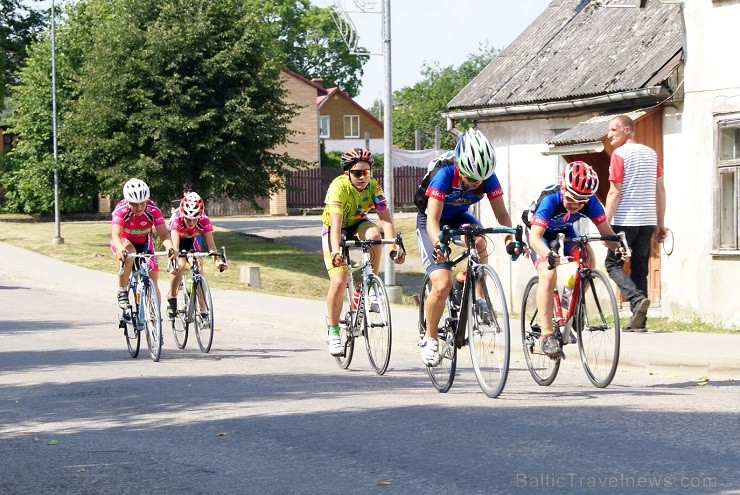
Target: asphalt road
{"x":268,"y":411}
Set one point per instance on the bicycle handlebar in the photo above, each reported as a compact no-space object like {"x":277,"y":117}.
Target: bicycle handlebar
{"x":145,"y":254}
{"x":365,"y":243}
{"x":558,"y":244}
{"x":221,"y":253}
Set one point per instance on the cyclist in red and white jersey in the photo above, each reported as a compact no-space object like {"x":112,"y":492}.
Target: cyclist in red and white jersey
{"x":131,"y":233}
{"x":187,"y":224}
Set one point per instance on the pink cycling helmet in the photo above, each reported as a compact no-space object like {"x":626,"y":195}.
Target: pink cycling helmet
{"x":191,"y":206}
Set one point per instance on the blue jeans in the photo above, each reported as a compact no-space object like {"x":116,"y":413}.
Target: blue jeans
{"x":635,"y":286}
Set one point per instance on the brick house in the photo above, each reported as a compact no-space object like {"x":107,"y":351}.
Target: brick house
{"x":345,"y":124}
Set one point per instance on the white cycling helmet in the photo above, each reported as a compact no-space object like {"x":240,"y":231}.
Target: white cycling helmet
{"x":191,"y":206}
{"x":475,"y":156}
{"x":135,"y":191}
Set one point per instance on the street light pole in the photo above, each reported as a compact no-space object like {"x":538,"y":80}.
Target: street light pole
{"x":394,"y":293}
{"x":57,"y":239}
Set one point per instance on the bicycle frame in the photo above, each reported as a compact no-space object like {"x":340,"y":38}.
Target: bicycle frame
{"x":369,"y":318}
{"x":358,"y":316}
{"x":138,"y":280}
{"x":458,"y":304}
{"x":563,"y":322}
{"x":192,"y":258}
{"x":483,"y":326}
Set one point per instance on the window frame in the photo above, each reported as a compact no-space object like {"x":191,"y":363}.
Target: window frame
{"x":723,"y":167}
{"x":347,"y":132}
{"x":327,"y":119}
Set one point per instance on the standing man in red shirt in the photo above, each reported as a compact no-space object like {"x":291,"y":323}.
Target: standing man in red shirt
{"x":635,"y":205}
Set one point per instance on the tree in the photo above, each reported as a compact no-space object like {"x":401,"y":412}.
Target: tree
{"x":165,"y":91}
{"x":19,"y":26}
{"x":312,"y":43}
{"x":420,"y":106}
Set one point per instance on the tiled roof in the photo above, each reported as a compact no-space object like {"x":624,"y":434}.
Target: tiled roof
{"x":578,"y":49}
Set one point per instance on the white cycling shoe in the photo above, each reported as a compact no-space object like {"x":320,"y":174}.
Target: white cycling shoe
{"x":430,"y":355}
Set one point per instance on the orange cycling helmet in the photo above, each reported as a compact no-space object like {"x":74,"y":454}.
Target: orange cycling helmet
{"x":580,"y":180}
{"x":354,"y":155}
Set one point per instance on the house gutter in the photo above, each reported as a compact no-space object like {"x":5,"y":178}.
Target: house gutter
{"x":651,"y":92}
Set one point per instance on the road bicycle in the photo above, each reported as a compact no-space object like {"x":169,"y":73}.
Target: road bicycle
{"x":145,"y":314}
{"x":366,"y":312}
{"x":476,"y":314}
{"x":193,"y":286}
{"x":592,"y":313}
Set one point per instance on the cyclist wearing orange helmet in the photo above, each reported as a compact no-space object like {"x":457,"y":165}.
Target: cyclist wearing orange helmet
{"x":556,"y":211}
{"x":187,"y":224}
{"x":349,"y":199}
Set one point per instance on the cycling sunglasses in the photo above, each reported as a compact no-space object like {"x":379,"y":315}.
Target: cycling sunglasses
{"x":360,"y":173}
{"x":577,"y":201}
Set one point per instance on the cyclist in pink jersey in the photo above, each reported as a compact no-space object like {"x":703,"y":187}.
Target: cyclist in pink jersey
{"x":132,"y":223}
{"x":187,"y":223}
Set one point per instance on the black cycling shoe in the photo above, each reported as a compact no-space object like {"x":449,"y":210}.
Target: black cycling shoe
{"x":172,"y":307}
{"x":550,"y":345}
{"x":123,"y":299}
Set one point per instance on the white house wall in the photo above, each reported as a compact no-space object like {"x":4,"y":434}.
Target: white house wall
{"x":376,"y":145}
{"x":694,"y":281}
{"x":523,"y":172}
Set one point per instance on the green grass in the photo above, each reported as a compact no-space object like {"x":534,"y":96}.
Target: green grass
{"x":284,"y":270}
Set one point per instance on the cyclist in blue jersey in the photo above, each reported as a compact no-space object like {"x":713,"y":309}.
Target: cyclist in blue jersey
{"x":456,"y":181}
{"x":555,"y":211}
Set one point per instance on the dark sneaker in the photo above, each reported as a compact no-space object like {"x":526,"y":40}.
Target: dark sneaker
{"x":172,"y":307}
{"x":550,"y":345}
{"x":484,"y":312}
{"x":123,"y":299}
{"x":639,"y":316}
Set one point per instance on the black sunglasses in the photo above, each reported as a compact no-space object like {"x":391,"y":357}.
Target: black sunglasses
{"x":360,"y":173}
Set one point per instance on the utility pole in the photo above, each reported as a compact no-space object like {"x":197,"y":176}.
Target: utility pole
{"x":57,"y":239}
{"x":394,"y":293}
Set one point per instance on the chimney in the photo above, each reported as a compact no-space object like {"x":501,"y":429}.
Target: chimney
{"x":318,"y":81}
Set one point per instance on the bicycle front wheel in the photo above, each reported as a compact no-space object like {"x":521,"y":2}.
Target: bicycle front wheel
{"x":488,"y":332}
{"x":542,"y":368}
{"x":443,"y":374}
{"x":181,"y":321}
{"x":346,"y":335}
{"x":152,"y":321}
{"x":128,"y":323}
{"x":203,"y":315}
{"x":378,"y":325}
{"x":597,"y":324}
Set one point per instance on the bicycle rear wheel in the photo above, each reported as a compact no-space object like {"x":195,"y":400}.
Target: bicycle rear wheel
{"x":203,"y":314}
{"x":443,"y":374}
{"x":345,"y":334}
{"x":542,"y":368}
{"x":488,"y":333}
{"x":597,"y":324}
{"x":181,"y":322}
{"x":152,"y":320}
{"x":128,"y":323}
{"x":378,"y":325}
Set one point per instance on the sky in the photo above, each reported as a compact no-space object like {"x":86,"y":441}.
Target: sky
{"x":444,"y":31}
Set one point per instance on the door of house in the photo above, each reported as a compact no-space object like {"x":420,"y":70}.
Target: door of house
{"x":648,"y":131}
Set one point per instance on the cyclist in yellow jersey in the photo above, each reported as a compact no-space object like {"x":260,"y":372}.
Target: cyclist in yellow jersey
{"x":349,"y":199}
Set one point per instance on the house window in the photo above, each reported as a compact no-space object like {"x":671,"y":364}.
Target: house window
{"x":728,"y":169}
{"x":8,"y":140}
{"x":351,"y":126}
{"x":324,"y":126}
